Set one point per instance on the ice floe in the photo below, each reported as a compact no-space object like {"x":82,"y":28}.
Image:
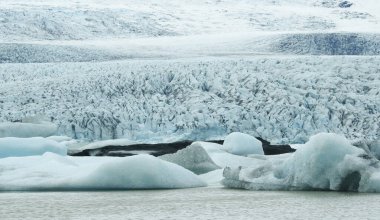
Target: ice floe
{"x":54,"y":172}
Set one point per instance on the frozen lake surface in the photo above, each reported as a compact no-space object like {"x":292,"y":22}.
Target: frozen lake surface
{"x":197,"y":203}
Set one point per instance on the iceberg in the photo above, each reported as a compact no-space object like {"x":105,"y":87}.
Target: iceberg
{"x":326,"y":162}
{"x":193,"y":158}
{"x":20,"y":147}
{"x":224,"y":159}
{"x":55,"y":172}
{"x":242,"y":144}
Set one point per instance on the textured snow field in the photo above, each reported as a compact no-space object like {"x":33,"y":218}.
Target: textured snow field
{"x":198,"y":203}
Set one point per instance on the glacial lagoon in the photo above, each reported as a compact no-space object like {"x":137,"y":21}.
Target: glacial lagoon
{"x":194,"y":203}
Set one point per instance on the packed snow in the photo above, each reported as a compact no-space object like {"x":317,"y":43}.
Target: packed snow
{"x":55,"y":172}
{"x":242,"y":144}
{"x":21,"y":147}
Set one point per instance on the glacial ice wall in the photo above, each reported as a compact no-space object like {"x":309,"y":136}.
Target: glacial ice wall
{"x":282,"y":99}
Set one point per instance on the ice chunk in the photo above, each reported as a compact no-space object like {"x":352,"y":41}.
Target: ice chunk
{"x":242,"y":144}
{"x":223,"y":158}
{"x":55,"y":172}
{"x":193,"y":158}
{"x":19,"y":147}
{"x":24,"y":130}
{"x":142,"y":172}
{"x":325,"y":162}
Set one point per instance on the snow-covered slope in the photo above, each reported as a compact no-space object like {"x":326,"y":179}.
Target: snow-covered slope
{"x":90,"y":19}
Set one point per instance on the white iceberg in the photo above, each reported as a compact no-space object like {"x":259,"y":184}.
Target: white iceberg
{"x":54,"y":172}
{"x":224,"y":159}
{"x":242,"y":144}
{"x":326,"y":162}
{"x":20,"y":147}
{"x":193,"y":158}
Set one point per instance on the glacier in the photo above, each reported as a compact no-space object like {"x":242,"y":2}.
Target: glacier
{"x":265,"y":68}
{"x":284,"y":99}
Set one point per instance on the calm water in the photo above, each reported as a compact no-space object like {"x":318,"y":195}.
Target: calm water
{"x":199,"y":203}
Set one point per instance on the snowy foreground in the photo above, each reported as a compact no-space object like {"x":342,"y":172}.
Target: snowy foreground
{"x":325,"y":162}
